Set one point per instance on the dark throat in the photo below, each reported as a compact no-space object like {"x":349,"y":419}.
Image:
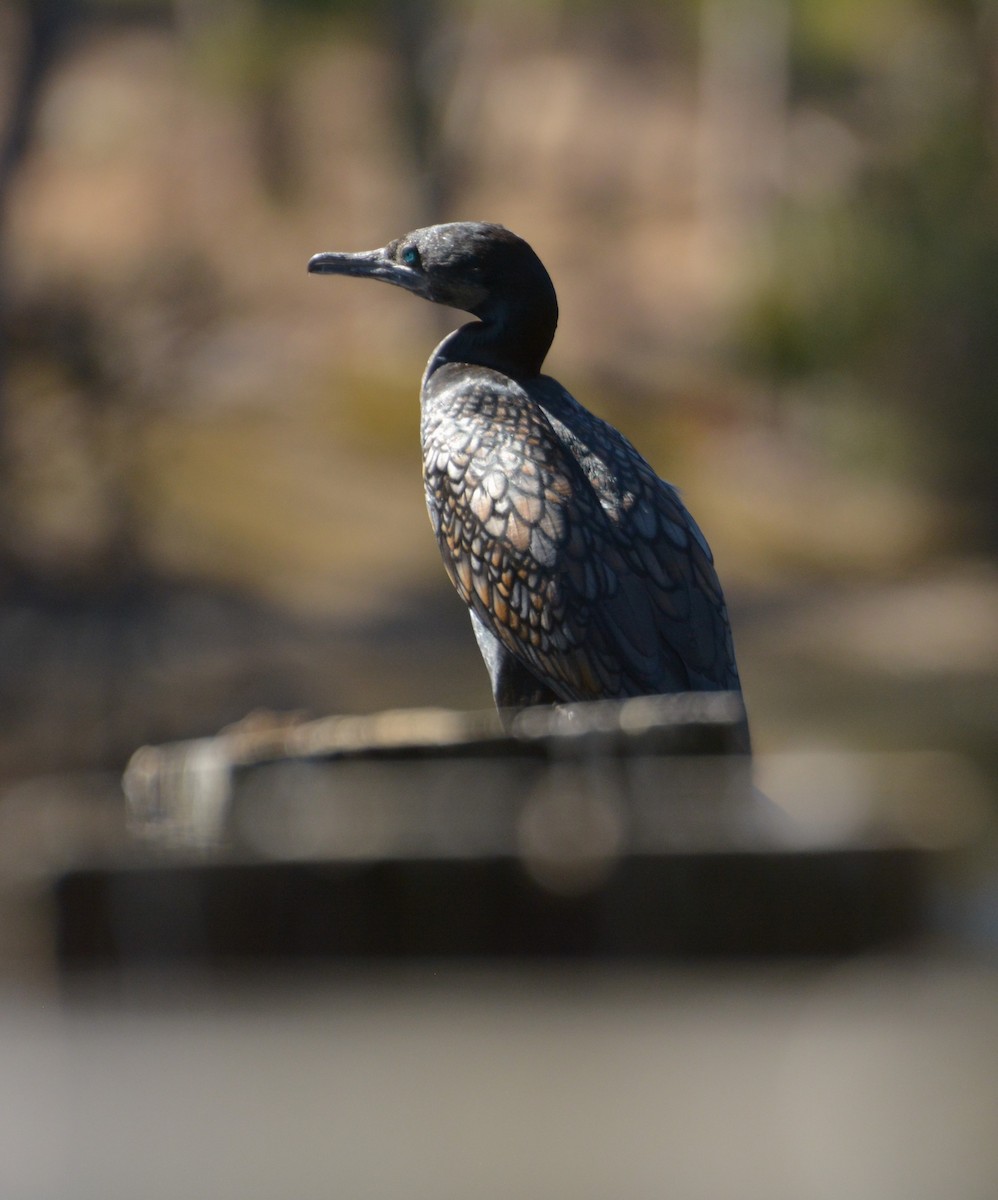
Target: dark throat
{"x":510,"y":337}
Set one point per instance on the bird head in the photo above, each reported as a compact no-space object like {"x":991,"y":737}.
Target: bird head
{"x":476,"y":267}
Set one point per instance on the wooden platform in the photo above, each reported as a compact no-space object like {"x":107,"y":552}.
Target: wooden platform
{"x":616,"y":830}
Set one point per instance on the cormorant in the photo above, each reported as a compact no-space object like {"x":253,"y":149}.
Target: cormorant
{"x":584,"y":573}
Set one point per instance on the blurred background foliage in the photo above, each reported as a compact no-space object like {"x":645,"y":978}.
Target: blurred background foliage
{"x":774,"y":231}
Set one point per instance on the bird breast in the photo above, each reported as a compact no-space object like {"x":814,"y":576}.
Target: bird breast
{"x":487,"y":475}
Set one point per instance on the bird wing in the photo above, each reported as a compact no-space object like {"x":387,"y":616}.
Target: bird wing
{"x":661,"y":543}
{"x":598,"y":595}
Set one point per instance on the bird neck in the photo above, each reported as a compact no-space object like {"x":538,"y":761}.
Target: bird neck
{"x":514,"y":341}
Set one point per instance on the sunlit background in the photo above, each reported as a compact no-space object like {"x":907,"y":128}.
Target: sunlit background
{"x":774,"y":231}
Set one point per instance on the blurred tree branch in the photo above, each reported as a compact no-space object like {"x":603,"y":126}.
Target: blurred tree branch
{"x":46,"y":25}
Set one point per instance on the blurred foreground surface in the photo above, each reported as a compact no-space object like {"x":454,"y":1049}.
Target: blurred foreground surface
{"x":406,"y":954}
{"x":875,"y":1079}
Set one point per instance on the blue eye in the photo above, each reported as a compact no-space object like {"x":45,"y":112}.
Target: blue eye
{"x":410,"y":256}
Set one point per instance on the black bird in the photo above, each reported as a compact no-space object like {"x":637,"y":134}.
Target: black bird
{"x":585,"y":575}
